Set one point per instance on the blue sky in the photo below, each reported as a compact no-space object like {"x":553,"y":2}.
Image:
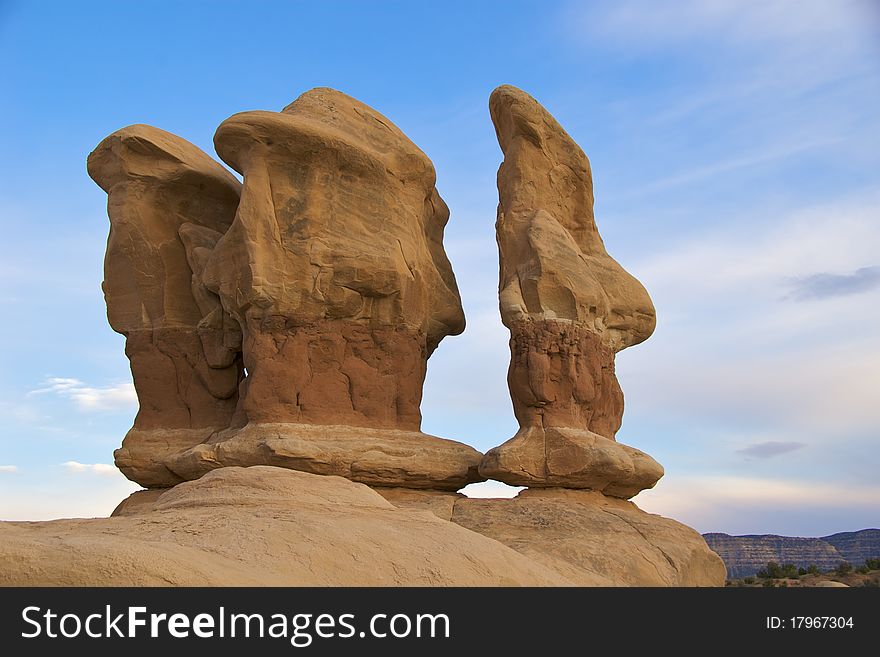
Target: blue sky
{"x":736,"y":163}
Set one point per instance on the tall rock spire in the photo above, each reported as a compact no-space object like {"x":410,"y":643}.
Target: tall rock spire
{"x":569,"y":307}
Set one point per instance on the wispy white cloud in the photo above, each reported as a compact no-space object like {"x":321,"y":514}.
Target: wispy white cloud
{"x":88,"y":398}
{"x":8,"y":468}
{"x":773,"y":153}
{"x":834,"y":237}
{"x":735,"y":22}
{"x":103,"y":469}
{"x":730,"y":341}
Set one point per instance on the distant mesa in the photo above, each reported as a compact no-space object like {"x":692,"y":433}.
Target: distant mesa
{"x":279,"y":331}
{"x":744,"y":556}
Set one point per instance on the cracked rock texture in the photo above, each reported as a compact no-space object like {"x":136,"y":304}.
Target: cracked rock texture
{"x":168,"y":204}
{"x":569,"y":307}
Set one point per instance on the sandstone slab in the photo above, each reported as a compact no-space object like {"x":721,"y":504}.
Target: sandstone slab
{"x":262,"y":526}
{"x":590,"y":538}
{"x":140,"y":501}
{"x":571,"y":458}
{"x":594,"y":539}
{"x":379,"y":457}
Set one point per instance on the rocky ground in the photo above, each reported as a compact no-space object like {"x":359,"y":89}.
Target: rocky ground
{"x":831,"y":579}
{"x":265,"y":525}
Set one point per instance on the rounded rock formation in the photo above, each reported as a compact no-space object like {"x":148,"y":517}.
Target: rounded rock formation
{"x":168,"y":204}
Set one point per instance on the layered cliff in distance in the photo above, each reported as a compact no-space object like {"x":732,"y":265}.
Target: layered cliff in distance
{"x":856,"y":546}
{"x":744,"y":556}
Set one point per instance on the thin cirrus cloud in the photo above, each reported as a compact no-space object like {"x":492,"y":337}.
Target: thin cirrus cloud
{"x":770,"y":448}
{"x":91,"y":468}
{"x":783,"y":24}
{"x":89,"y":398}
{"x":825,"y":285}
{"x":8,"y":468}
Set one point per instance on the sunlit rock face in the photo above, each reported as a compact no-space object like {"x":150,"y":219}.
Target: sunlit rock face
{"x":569,"y":307}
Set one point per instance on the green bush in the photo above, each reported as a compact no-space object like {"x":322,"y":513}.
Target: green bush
{"x":872,"y":564}
{"x":772,"y":571}
{"x":843,"y":568}
{"x":748,"y":580}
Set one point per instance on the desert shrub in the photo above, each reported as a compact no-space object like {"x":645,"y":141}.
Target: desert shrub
{"x":872,"y":564}
{"x":768,"y":583}
{"x":771,"y":571}
{"x":748,"y":580}
{"x":789,"y":570}
{"x":843,"y":568}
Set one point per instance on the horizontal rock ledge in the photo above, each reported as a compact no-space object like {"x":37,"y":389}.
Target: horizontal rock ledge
{"x":378,"y":457}
{"x":558,"y":457}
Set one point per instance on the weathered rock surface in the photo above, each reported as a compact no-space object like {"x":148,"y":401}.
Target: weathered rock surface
{"x":140,"y":501}
{"x":263,"y":526}
{"x":440,"y":503}
{"x":569,"y":307}
{"x":379,"y":457}
{"x":168,"y":204}
{"x":572,"y":458}
{"x":323,"y":278}
{"x":334,"y":265}
{"x":275,"y":526}
{"x":590,"y":538}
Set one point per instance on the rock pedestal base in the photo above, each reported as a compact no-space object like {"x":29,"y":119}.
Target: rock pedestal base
{"x":589,"y":538}
{"x":379,"y":457}
{"x":267,"y":526}
{"x":571,"y":458}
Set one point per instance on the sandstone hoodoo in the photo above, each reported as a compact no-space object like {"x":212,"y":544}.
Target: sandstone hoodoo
{"x":327,"y":284}
{"x":569,"y":307}
{"x":168,"y":204}
{"x":279,"y":330}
